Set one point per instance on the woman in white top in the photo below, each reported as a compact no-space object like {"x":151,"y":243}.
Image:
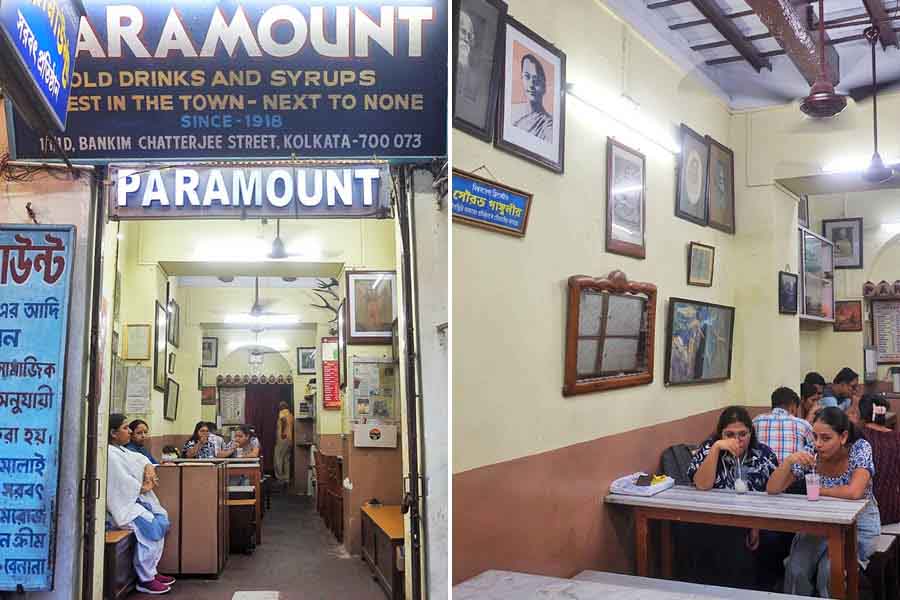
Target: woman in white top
{"x":131,"y":504}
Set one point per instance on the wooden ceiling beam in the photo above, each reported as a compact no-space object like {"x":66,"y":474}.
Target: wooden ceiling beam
{"x":880,"y":19}
{"x":791,"y":30}
{"x":711,"y":12}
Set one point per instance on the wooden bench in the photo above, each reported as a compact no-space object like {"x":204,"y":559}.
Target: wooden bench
{"x":382,"y":546}
{"x":119,"y":577}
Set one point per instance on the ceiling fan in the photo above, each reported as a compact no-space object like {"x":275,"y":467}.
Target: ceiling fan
{"x":823,"y":101}
{"x":258,"y":318}
{"x":279,"y":251}
{"x":877,"y":171}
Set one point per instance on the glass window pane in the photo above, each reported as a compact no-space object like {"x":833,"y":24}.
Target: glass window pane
{"x":620,"y":355}
{"x":587,"y":357}
{"x":625,"y":314}
{"x":590,"y":312}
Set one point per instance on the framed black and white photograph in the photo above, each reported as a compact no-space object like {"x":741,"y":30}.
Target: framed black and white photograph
{"x":701,"y":262}
{"x":532,"y":106}
{"x":847,"y":237}
{"x":625,"y":200}
{"x":138,"y":341}
{"x":372,"y":306}
{"x":803,"y":211}
{"x":170,"y":408}
{"x":171,"y":369}
{"x":209,"y":352}
{"x":306,"y":360}
{"x":788,"y":292}
{"x":720,"y":187}
{"x":342,"y":343}
{"x":159,"y":348}
{"x":478,"y":58}
{"x":693,"y":162}
{"x":174,"y":324}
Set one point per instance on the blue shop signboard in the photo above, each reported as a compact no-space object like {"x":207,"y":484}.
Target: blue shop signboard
{"x":42,"y":35}
{"x":264,"y":79}
{"x":35,"y":281}
{"x":490,"y":205}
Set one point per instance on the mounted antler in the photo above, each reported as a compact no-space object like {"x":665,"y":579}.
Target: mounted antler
{"x":327,"y":288}
{"x":326,"y":306}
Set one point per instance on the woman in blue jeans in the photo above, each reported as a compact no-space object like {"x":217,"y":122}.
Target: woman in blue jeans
{"x":843,"y":461}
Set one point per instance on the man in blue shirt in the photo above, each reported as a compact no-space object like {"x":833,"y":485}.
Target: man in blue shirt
{"x":840,"y":391}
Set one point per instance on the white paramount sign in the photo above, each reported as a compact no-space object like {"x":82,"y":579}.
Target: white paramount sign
{"x":198,"y":191}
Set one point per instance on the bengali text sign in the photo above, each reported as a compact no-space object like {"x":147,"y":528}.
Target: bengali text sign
{"x":489,"y":205}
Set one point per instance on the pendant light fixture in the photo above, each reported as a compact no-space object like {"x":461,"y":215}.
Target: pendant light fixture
{"x":877,"y":171}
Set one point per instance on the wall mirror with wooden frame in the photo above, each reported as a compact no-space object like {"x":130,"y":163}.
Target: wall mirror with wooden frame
{"x":609,"y":333}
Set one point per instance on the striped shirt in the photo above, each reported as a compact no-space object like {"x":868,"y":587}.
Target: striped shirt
{"x":783,"y":433}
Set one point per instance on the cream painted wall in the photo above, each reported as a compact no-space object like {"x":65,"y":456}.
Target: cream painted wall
{"x":509,"y":295}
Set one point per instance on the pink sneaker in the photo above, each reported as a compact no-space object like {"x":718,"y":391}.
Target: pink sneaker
{"x":165,"y":580}
{"x":152,"y":587}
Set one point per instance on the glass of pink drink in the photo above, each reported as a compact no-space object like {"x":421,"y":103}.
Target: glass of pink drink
{"x":812,"y":486}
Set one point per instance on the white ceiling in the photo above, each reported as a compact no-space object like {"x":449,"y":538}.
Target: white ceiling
{"x":738,"y":81}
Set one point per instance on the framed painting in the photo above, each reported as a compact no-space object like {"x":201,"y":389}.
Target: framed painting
{"x":208,"y":395}
{"x":701,"y":262}
{"x":609,"y":333}
{"x":720,"y":187}
{"x":803,"y":211}
{"x":174,"y":324}
{"x":306,"y":360}
{"x":699,"y":342}
{"x":788,"y":292}
{"x":170,"y":408}
{"x":209,"y":352}
{"x":159,"y":348}
{"x":342,"y":343}
{"x":847,"y":237}
{"x":532,"y":107}
{"x":480,"y":26}
{"x":626,"y":188}
{"x":693,"y":164}
{"x":372,"y":306}
{"x":138,"y":341}
{"x":848,"y":315}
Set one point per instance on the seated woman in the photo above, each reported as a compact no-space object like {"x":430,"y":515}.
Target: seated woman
{"x":843,"y":461}
{"x":199,"y":445}
{"x":131,"y":504}
{"x":243,"y":445}
{"x":139,"y":430}
{"x":732,"y":458}
{"x":885,"y":444}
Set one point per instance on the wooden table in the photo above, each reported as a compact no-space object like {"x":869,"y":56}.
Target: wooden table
{"x":253,"y":471}
{"x":382,"y":535}
{"x":591,"y":585}
{"x":828,"y":517}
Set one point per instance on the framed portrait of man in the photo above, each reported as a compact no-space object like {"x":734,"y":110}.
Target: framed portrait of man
{"x":693,"y":162}
{"x":720,"y":186}
{"x":847,"y":236}
{"x":532,"y":108}
{"x":625,"y":201}
{"x":477,"y":58}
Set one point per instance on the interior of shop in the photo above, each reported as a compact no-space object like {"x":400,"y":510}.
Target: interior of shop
{"x":226,"y":328}
{"x":623,"y":199}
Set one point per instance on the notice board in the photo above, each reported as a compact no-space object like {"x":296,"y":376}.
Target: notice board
{"x":232,"y":404}
{"x":35,"y":284}
{"x":886,"y":330}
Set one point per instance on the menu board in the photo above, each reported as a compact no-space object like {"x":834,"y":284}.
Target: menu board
{"x":331,"y":377}
{"x":231,"y":405}
{"x":35,"y":283}
{"x":886,"y":330}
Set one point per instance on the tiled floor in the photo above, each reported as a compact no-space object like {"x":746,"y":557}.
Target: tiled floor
{"x":299,"y":560}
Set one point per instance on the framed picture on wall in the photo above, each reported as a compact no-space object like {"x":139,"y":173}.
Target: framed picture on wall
{"x":209,"y":352}
{"x":847,"y":237}
{"x":171,"y":368}
{"x":532,"y":115}
{"x":137,"y":341}
{"x":372,"y":306}
{"x":693,"y":162}
{"x":803,"y":211}
{"x":699,"y":342}
{"x":115,"y":343}
{"x":701,"y":261}
{"x":306,"y":360}
{"x":208,"y":395}
{"x":342,"y":343}
{"x":720,"y":187}
{"x":788,"y":288}
{"x":170,"y":407}
{"x":626,"y":187}
{"x":848,"y":315}
{"x":478,"y":57}
{"x":174,"y":323}
{"x":159,"y":348}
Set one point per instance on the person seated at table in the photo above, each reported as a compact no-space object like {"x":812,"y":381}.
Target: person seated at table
{"x":816,"y":379}
{"x":139,"y":430}
{"x":782,"y":430}
{"x":841,"y":390}
{"x":199,"y":445}
{"x":243,"y":444}
{"x":217,"y":440}
{"x":809,"y":401}
{"x":885,"y":444}
{"x":732,"y":458}
{"x":843,"y":461}
{"x":131,"y":504}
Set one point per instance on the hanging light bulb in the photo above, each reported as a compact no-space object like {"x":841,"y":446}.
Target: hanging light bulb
{"x":877,"y":171}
